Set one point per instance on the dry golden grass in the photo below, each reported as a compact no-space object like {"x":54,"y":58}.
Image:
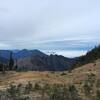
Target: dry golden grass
{"x":76,"y":76}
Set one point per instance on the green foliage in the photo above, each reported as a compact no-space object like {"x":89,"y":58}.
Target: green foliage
{"x":46,"y":87}
{"x":19,"y":88}
{"x":73,"y":93}
{"x":87,"y":88}
{"x":2,"y":68}
{"x":15,"y":67}
{"x":28,"y":88}
{"x":98,"y":95}
{"x":15,"y":92}
{"x":23,"y":98}
{"x":98,"y":83}
{"x":91,"y":56}
{"x":89,"y":84}
{"x":62,"y":74}
{"x":11,"y":62}
{"x":37,"y":86}
{"x":12,"y":90}
{"x":61,"y":92}
{"x":56,"y":92}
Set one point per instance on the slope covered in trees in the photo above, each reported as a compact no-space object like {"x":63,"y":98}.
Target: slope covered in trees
{"x":91,"y":56}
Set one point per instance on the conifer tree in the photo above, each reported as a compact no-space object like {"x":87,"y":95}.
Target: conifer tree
{"x":2,"y":66}
{"x":11,"y":62}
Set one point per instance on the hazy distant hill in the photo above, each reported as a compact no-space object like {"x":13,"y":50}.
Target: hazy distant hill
{"x":20,"y":53}
{"x":5,"y":54}
{"x":26,"y":53}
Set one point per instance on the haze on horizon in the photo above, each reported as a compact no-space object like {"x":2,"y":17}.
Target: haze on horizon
{"x":67,"y":27}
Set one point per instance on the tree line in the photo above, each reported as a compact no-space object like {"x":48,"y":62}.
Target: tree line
{"x":91,"y":56}
{"x":9,"y":66}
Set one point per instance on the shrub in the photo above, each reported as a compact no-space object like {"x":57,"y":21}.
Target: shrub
{"x":28,"y":88}
{"x":98,"y":83}
{"x":98,"y":95}
{"x":37,"y":86}
{"x":89,"y":84}
{"x":23,"y":98}
{"x":62,"y":74}
{"x":19,"y":89}
{"x":73,"y":93}
{"x":56,"y":93}
{"x":12,"y":90}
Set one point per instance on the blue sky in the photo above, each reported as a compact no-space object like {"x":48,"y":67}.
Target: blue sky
{"x":70,"y":26}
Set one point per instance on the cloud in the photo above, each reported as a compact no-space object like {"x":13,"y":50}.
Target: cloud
{"x":67,"y":53}
{"x":49,"y":24}
{"x":4,"y":46}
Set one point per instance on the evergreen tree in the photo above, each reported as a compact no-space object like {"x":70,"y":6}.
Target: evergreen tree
{"x":16,"y":66}
{"x":11,"y":62}
{"x":91,"y":56}
{"x":2,"y":66}
{"x":3,"y":69}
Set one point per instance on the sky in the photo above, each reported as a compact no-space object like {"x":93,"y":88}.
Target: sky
{"x":67,"y":27}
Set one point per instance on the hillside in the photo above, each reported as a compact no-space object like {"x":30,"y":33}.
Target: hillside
{"x":91,"y":56}
{"x":51,"y":77}
{"x":45,"y":63}
{"x":76,"y":77}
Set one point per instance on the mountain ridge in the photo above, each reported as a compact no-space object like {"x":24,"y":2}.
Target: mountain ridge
{"x":45,"y":63}
{"x":20,"y":53}
{"x":37,"y":60}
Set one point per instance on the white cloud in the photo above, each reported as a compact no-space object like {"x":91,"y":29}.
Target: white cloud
{"x":66,"y":53}
{"x":32,"y":23}
{"x":4,"y":46}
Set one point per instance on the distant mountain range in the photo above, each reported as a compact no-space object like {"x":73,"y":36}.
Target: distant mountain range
{"x":20,"y":53}
{"x":37,"y":60}
{"x":41,"y":63}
